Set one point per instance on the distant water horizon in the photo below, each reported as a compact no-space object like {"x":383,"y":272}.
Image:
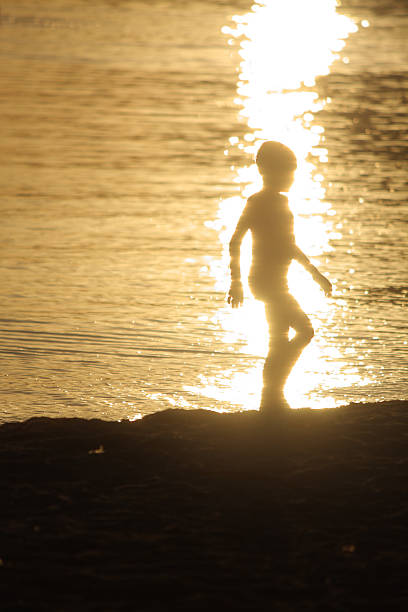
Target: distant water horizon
{"x":129,"y":132}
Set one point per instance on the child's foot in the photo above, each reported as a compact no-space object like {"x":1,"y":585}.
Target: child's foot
{"x":275,"y":407}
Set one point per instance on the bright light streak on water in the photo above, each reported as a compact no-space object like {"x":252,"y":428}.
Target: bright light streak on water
{"x":284,"y":46}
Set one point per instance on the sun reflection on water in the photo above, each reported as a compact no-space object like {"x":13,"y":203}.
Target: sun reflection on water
{"x":283,"y":47}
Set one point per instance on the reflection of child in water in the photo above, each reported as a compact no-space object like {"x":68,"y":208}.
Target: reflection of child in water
{"x":268,"y":217}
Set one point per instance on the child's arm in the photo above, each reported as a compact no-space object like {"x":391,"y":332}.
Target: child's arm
{"x":236,"y":294}
{"x":324,"y":283}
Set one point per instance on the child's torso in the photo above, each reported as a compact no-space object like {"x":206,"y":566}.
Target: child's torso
{"x":271,"y":224}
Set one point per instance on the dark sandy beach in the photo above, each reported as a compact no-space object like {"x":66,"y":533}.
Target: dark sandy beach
{"x":188,"y":510}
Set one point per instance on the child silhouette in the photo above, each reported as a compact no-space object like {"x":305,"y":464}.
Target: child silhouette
{"x":270,"y":220}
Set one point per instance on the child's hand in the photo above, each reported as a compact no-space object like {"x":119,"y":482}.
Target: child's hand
{"x":236,"y":294}
{"x":324,"y":283}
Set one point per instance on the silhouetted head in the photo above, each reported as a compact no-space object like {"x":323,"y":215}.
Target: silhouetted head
{"x":277,"y":164}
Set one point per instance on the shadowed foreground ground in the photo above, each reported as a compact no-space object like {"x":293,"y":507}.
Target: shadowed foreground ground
{"x":192,"y":510}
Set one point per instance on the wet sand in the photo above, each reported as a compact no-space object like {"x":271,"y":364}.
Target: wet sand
{"x":188,"y":510}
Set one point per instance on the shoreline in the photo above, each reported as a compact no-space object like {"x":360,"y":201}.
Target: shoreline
{"x":189,"y":509}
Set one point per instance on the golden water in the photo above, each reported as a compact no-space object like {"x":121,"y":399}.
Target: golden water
{"x":128,"y":139}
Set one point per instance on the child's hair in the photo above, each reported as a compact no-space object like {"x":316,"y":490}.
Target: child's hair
{"x":275,"y":157}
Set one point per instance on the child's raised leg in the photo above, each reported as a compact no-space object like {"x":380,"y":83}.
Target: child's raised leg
{"x":282,"y":314}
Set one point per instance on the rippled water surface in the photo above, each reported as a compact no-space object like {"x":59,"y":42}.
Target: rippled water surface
{"x":129,"y":130}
